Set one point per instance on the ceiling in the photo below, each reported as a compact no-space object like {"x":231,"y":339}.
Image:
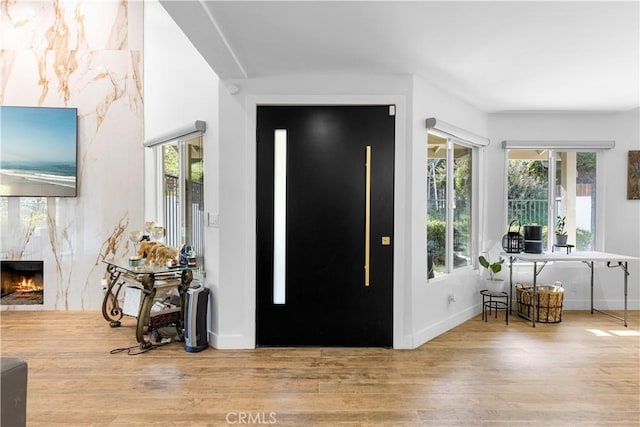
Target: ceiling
{"x":497,"y":56}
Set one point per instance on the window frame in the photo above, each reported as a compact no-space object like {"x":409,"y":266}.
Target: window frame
{"x":597,"y":147}
{"x":157,"y":165}
{"x":475,"y":220}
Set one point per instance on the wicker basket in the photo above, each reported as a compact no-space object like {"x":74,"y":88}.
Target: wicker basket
{"x":548,"y":304}
{"x":161,"y":319}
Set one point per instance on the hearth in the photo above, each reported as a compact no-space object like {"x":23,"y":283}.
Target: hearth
{"x":22,"y":282}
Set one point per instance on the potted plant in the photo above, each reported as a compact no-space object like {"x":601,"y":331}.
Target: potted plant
{"x":560,"y":232}
{"x":493,"y":284}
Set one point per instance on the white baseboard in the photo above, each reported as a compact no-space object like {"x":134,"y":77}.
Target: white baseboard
{"x":430,"y":332}
{"x":230,"y":342}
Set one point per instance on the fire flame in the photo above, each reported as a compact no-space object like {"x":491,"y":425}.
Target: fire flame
{"x":27,"y":285}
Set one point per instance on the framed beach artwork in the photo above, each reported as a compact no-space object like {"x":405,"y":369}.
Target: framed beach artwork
{"x":38,"y":151}
{"x":633,"y":175}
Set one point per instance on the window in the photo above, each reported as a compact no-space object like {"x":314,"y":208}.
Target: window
{"x":575,"y":197}
{"x":436,"y":205}
{"x":279,"y":216}
{"x":180,"y":207}
{"x":544,"y":185}
{"x":453,"y":160}
{"x":449,"y":205}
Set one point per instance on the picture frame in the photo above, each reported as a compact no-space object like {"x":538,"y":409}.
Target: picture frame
{"x":633,"y":175}
{"x":39,"y":151}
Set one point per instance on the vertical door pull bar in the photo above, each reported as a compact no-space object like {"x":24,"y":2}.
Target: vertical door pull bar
{"x":367,"y":217}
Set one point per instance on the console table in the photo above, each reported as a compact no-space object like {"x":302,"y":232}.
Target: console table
{"x":588,"y":258}
{"x":148,"y":278}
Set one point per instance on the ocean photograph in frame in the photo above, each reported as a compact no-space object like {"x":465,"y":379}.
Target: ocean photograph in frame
{"x":38,"y":151}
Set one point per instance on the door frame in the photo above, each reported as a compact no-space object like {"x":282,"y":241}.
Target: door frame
{"x":401,"y":251}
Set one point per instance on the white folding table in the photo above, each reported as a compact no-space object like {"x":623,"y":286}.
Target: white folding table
{"x":588,"y":258}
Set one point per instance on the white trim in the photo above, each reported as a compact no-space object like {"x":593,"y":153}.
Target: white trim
{"x":229,"y":341}
{"x":601,"y":177}
{"x":224,"y":40}
{"x":476,"y":219}
{"x":436,"y":329}
{"x":451,"y":202}
{"x":559,"y":145}
{"x":552,"y":176}
{"x":159,"y":185}
{"x":400,"y":281}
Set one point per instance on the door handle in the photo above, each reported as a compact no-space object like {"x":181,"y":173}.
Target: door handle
{"x":367,"y":217}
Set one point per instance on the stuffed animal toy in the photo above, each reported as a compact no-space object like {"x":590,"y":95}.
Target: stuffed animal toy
{"x":157,"y":253}
{"x":145,"y":248}
{"x":151,"y":255}
{"x":165,"y":255}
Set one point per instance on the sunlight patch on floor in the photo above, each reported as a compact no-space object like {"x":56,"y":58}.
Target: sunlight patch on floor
{"x":599,"y":332}
{"x":626,"y":333}
{"x":620,"y":333}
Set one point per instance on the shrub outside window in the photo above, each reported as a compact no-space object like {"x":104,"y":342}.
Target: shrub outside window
{"x":449,"y":205}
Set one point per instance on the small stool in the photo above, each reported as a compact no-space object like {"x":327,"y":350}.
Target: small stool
{"x":494,"y":301}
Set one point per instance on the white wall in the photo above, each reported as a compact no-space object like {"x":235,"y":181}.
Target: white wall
{"x":180,"y":88}
{"x":431,"y":312}
{"x":621,"y":216}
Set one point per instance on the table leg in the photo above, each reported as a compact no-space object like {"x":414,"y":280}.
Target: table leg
{"x":508,"y":309}
{"x":185,"y":282}
{"x":148,"y":294}
{"x":623,"y":267}
{"x":111,"y":310}
{"x":591,"y":267}
{"x":626,"y":274}
{"x":143,"y":319}
{"x":510,"y":280}
{"x":535,"y":296}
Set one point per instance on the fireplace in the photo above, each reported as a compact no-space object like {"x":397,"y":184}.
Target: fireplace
{"x":22,"y":282}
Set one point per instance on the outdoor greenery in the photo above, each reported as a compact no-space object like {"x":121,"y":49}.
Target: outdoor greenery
{"x":170,"y":157}
{"x":528,"y":180}
{"x":586,"y":167}
{"x":436,"y":211}
{"x":528,"y":195}
{"x":171,"y":163}
{"x":528,"y":201}
{"x":584,"y":240}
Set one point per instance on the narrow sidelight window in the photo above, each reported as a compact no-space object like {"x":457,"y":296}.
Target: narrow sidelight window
{"x":279,"y":215}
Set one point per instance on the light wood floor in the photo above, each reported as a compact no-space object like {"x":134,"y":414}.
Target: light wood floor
{"x":479,"y":373}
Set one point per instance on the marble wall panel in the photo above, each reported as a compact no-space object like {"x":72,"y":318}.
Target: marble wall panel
{"x":86,"y":55}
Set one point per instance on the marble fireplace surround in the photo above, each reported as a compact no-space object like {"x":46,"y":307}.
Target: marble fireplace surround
{"x":87,"y":55}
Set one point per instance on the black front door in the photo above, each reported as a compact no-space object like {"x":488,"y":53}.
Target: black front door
{"x":325,"y":225}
